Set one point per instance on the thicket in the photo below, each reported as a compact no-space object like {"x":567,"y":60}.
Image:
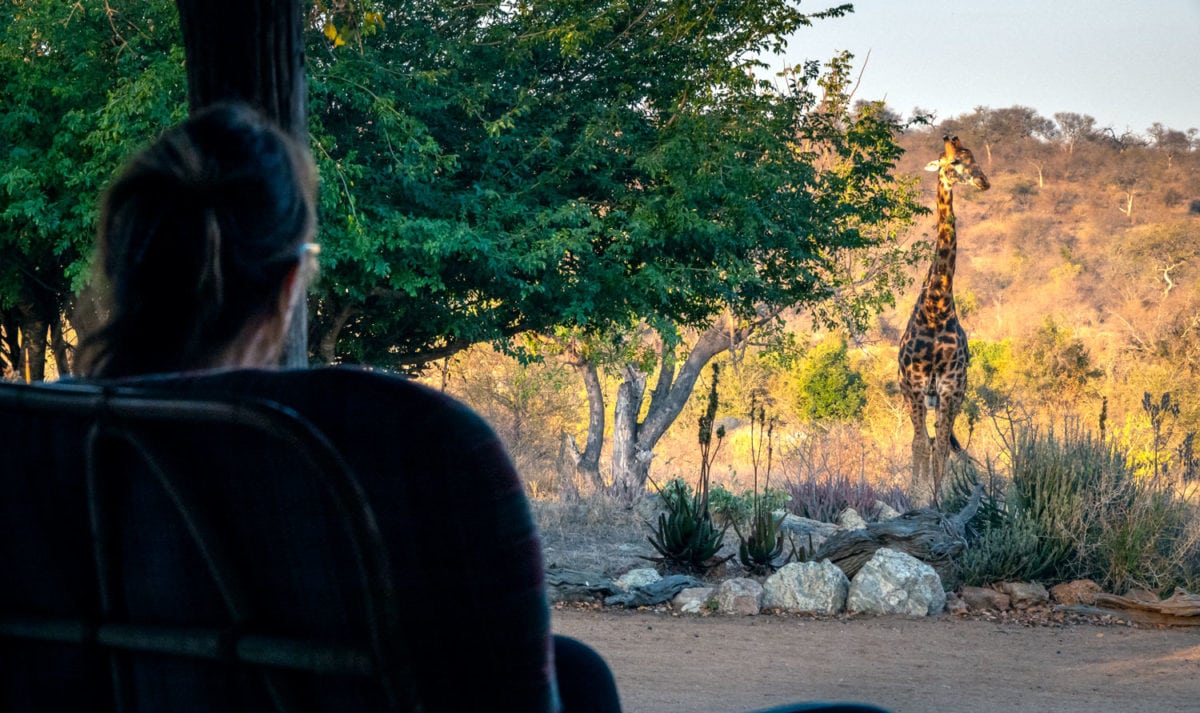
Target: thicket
{"x":1072,"y":507}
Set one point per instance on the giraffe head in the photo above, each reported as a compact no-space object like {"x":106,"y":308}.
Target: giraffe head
{"x":957,"y":165}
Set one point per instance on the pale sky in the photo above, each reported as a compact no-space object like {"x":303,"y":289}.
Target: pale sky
{"x":1128,"y":63}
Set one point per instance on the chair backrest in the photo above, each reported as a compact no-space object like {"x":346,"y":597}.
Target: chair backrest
{"x":157,"y":550}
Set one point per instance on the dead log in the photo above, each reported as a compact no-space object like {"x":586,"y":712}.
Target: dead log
{"x":1180,"y":609}
{"x":931,"y":536}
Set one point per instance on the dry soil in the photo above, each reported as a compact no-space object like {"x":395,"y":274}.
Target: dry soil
{"x":665,"y":663}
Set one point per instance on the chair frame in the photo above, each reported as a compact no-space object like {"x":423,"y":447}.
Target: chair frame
{"x":117,"y":420}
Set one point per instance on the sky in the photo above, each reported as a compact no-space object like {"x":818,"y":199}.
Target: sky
{"x":1128,"y":63}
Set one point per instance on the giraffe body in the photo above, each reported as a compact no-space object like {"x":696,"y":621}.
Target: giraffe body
{"x":933,"y":355}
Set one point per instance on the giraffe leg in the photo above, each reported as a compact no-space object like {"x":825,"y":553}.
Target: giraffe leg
{"x":919,"y":488}
{"x":946,"y":416}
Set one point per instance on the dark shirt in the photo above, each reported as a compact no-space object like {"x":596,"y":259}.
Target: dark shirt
{"x":462,"y":545}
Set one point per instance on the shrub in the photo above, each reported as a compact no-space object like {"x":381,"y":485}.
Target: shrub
{"x":685,"y":535}
{"x":824,"y":497}
{"x":1074,"y":509}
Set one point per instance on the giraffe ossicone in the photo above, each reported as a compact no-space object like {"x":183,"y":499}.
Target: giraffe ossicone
{"x":933,"y":355}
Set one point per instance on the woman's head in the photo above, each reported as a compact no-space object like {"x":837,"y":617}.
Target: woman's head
{"x":200,"y":241}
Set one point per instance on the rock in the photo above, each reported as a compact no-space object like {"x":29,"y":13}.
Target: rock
{"x":851,"y":520}
{"x":1081,"y":591}
{"x":896,"y":583}
{"x":985,"y":599}
{"x":1025,"y":594}
{"x":638,"y":578}
{"x":692,"y":600}
{"x":819,"y":588}
{"x":739,"y":596}
{"x":573,"y":585}
{"x":802,"y":528}
{"x":885,"y":512}
{"x":956,"y":605}
{"x":664,"y":590}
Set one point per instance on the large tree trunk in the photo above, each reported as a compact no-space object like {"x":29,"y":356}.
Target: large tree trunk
{"x":252,"y":51}
{"x":634,"y":441}
{"x":630,"y":459}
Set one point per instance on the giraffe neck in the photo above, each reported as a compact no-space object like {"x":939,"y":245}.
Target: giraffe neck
{"x":938,"y":292}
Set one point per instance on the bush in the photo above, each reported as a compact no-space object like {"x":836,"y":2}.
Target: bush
{"x":825,"y":497}
{"x":685,"y":535}
{"x":1074,"y":509}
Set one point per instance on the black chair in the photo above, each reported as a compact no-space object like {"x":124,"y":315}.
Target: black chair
{"x":91,"y":472}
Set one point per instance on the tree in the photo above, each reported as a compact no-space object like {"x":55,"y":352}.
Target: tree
{"x":612,"y":178}
{"x":62,"y":140}
{"x":222,"y":39}
{"x":827,"y":388}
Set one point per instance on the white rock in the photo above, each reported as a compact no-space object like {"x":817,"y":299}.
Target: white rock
{"x":638,"y":578}
{"x":885,"y":512}
{"x":851,"y":520}
{"x":693,"y":599}
{"x":896,"y":583}
{"x":801,"y":529}
{"x":819,"y":588}
{"x":739,"y":596}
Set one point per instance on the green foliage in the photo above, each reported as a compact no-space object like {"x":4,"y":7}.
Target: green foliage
{"x":1074,"y":509}
{"x":1000,"y":553}
{"x":81,"y":85}
{"x":685,"y":535}
{"x":1055,"y":365}
{"x":602,"y":178}
{"x":739,"y":508}
{"x":760,"y":549}
{"x":827,"y":387}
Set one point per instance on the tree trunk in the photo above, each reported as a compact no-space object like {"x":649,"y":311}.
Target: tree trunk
{"x":586,"y":464}
{"x":59,"y":347}
{"x":633,"y":441}
{"x":10,"y":346}
{"x":32,"y":362}
{"x":630,"y":460}
{"x":252,"y":51}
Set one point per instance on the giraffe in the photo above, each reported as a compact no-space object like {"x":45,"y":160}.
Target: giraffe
{"x":933,"y":351}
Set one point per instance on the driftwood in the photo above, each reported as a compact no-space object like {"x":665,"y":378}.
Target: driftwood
{"x":932,"y":537}
{"x":1180,"y":609}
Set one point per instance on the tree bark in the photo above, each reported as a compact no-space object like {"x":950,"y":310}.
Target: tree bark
{"x":252,"y":51}
{"x":32,"y":362}
{"x":634,"y":441}
{"x":586,"y":464}
{"x":630,"y":460}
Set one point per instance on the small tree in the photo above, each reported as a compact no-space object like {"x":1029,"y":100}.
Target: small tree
{"x":827,"y":387}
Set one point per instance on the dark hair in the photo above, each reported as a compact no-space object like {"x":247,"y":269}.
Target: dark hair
{"x":197,"y":235}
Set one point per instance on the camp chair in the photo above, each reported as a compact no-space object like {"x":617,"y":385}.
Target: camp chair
{"x":89,"y":473}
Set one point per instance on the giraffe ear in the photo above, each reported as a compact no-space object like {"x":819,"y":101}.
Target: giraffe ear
{"x":933,"y":166}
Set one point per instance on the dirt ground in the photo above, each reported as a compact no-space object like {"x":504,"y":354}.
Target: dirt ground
{"x":665,"y":663}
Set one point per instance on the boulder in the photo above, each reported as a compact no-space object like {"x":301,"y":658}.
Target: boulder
{"x":638,"y":578}
{"x":692,"y":600}
{"x":851,"y":520}
{"x":885,"y":512}
{"x":801,"y":529}
{"x":1025,"y":594}
{"x":896,"y":583}
{"x":984,"y":599}
{"x":1081,"y":591}
{"x":818,"y":588}
{"x":739,"y":596}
